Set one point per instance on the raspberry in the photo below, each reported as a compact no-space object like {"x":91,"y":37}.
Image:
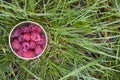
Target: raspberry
{"x":35,"y":36}
{"x":15,"y":44}
{"x":38,"y":50}
{"x":25,"y":46}
{"x":34,"y":28}
{"x":43,"y":45}
{"x":21,"y":38}
{"x":27,"y":37}
{"x":28,"y":54}
{"x":41,"y":41}
{"x":25,"y":29}
{"x":32,"y":45}
{"x":16,"y":32}
{"x":19,"y":52}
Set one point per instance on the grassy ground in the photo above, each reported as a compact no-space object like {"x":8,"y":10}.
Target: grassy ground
{"x":83,"y":36}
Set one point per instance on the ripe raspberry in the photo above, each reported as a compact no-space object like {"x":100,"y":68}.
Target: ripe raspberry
{"x":38,"y":50}
{"x":43,"y":46}
{"x":19,"y":52}
{"x":16,"y":32}
{"x":28,"y":54}
{"x":25,"y":29}
{"x":34,"y":28}
{"x":21,"y":38}
{"x":42,"y":40}
{"x":35,"y":36}
{"x":25,"y":46}
{"x":32,"y":45}
{"x":15,"y":44}
{"x":27,"y":37}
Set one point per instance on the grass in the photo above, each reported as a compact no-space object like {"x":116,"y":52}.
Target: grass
{"x":83,"y":39}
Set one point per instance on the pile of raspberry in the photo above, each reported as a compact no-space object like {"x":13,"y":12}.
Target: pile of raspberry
{"x":28,"y":41}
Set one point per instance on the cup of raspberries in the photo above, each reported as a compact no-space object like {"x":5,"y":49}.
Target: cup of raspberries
{"x":28,"y":40}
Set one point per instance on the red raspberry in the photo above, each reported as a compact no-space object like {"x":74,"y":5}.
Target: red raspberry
{"x":42,"y":40}
{"x":34,"y":28}
{"x":28,"y":54}
{"x":25,"y":46}
{"x":25,"y":29}
{"x":15,"y":44}
{"x":21,"y":38}
{"x":35,"y":36}
{"x":16,"y":32}
{"x":38,"y":50}
{"x":27,"y":37}
{"x":32,"y":44}
{"x":19,"y":52}
{"x":43,"y":46}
